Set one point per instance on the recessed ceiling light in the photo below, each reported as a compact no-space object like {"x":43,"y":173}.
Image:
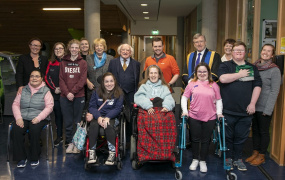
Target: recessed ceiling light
{"x":146,"y":17}
{"x":61,"y":9}
{"x":145,"y":12}
{"x":143,"y":4}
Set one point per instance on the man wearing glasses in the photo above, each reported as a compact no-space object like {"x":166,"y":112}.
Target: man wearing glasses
{"x":202,"y":54}
{"x":240,"y":89}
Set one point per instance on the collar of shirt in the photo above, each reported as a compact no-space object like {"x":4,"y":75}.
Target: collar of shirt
{"x":127,"y":62}
{"x":202,"y":53}
{"x":163,"y":56}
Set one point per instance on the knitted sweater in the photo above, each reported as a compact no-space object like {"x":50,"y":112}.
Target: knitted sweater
{"x":151,"y":90}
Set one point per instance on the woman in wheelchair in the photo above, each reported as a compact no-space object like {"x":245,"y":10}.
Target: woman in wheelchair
{"x":31,"y":108}
{"x":205,"y":106}
{"x":156,"y":125}
{"x":105,"y":105}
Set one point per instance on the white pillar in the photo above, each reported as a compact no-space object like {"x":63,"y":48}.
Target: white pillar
{"x":210,"y":22}
{"x":92,"y":19}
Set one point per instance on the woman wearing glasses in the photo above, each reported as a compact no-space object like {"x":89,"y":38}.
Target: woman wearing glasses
{"x":205,"y":106}
{"x":72,"y":78}
{"x":52,"y":81}
{"x":29,"y":62}
{"x":31,"y":109}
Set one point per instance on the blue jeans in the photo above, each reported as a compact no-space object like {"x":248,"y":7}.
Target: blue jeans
{"x":72,"y":113}
{"x":237,"y":131}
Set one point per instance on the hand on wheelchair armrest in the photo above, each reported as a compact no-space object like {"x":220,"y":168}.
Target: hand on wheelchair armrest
{"x":20,"y":122}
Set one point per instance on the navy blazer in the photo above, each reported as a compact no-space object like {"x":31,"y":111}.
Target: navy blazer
{"x":114,"y":66}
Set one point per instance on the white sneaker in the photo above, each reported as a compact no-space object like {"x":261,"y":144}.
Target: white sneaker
{"x":111,"y":158}
{"x":69,"y":149}
{"x":194,"y":165}
{"x":92,"y":156}
{"x":75,"y":150}
{"x":203,"y":166}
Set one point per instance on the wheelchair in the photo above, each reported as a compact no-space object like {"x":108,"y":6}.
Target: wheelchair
{"x":219,"y":138}
{"x":47,"y":128}
{"x":176,"y":162}
{"x":102,"y":147}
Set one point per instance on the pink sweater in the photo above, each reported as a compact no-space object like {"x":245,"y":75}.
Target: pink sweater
{"x":48,"y":104}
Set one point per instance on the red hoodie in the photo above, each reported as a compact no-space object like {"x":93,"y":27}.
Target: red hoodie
{"x":72,"y":76}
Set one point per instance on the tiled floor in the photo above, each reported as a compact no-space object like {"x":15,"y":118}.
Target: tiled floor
{"x":61,"y":166}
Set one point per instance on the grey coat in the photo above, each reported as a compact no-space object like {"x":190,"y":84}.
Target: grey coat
{"x":271,"y":80}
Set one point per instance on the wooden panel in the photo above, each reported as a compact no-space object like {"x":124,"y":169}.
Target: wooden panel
{"x":221,"y":36}
{"x":232,"y":25}
{"x":278,"y":134}
{"x":21,"y":20}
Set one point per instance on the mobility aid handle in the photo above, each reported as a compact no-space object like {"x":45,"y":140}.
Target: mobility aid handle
{"x":182,"y":140}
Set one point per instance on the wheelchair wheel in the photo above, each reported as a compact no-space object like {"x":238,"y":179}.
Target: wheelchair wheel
{"x":123,"y":136}
{"x":134,"y":164}
{"x":231,"y":176}
{"x":133,"y":148}
{"x":178,"y":175}
{"x":86,"y":165}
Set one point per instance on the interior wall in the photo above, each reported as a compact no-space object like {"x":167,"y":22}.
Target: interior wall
{"x":221,"y":26}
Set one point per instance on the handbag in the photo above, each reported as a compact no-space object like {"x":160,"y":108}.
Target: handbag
{"x":80,"y":135}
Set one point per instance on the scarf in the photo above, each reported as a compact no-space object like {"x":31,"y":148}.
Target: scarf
{"x":267,"y":65}
{"x":97,"y":62}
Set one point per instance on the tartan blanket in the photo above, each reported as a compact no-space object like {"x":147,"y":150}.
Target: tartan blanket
{"x":156,"y":135}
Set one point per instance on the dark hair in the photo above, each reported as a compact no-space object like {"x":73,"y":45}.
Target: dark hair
{"x":146,"y":77}
{"x":89,"y":47}
{"x":230,"y":41}
{"x":240,"y":44}
{"x":208,"y":69}
{"x":157,"y":39}
{"x":35,"y":39}
{"x":53,"y":56}
{"x":102,"y":92}
{"x":37,"y":70}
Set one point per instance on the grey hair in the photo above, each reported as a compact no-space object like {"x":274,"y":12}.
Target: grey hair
{"x":196,"y":36}
{"x":119,"y":49}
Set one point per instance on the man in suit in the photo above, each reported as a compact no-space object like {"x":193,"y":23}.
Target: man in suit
{"x":202,"y":54}
{"x":127,"y":73}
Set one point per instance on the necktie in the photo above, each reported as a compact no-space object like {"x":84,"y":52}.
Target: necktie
{"x":125,"y":65}
{"x":198,"y":59}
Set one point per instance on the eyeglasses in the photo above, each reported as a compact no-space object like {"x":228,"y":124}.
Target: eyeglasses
{"x":35,"y":76}
{"x":58,"y":49}
{"x":238,"y":50}
{"x":202,"y":72}
{"x":198,"y":42}
{"x":35,"y":45}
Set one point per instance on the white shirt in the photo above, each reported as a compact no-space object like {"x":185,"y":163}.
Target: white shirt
{"x":127,"y":62}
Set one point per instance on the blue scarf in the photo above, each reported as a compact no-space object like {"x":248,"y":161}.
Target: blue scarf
{"x":97,"y":62}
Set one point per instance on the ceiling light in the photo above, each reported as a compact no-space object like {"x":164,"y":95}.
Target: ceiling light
{"x":61,"y":9}
{"x":143,"y":4}
{"x":146,"y":17}
{"x":145,"y":12}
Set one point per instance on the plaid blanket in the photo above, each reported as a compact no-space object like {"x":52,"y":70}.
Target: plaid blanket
{"x":156,"y":135}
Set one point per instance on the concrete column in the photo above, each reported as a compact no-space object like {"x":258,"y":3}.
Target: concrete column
{"x":179,"y":50}
{"x":92,"y":19}
{"x":210,"y":22}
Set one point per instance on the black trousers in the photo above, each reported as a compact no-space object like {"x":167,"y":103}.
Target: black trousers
{"x":58,"y":118}
{"x":129,"y":97}
{"x":201,"y":132}
{"x":94,"y":132}
{"x":19,"y":151}
{"x":260,"y":132}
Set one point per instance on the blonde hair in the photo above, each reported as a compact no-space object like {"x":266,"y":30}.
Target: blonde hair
{"x":73,"y":41}
{"x":98,"y":41}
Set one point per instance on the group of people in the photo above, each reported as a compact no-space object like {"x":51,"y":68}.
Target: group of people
{"x":228,"y":87}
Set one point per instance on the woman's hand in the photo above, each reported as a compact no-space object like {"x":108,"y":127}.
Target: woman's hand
{"x":250,"y":109}
{"x":184,"y":114}
{"x":35,"y":121}
{"x":90,"y":85}
{"x":106,"y":122}
{"x":70,"y":96}
{"x":89,"y":117}
{"x":100,"y":121}
{"x":150,"y":111}
{"x":20,"y":90}
{"x":57,"y":90}
{"x":164,"y":110}
{"x":220,"y":116}
{"x":20,"y":122}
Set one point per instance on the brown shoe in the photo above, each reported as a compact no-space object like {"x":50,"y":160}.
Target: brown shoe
{"x":253,"y":156}
{"x":260,"y":159}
